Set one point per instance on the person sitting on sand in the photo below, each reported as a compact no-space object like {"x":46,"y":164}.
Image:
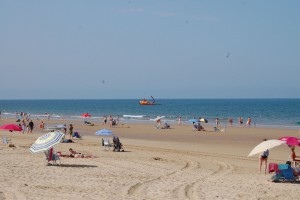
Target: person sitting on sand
{"x":200,"y":127}
{"x":295,"y":170}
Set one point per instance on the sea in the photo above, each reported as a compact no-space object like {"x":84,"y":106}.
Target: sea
{"x":274,"y":113}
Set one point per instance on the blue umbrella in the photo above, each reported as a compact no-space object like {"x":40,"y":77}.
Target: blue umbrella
{"x":194,"y":120}
{"x":104,"y":132}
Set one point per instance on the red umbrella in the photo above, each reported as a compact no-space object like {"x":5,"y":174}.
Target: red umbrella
{"x":291,"y":141}
{"x":11,"y":127}
{"x":85,"y":115}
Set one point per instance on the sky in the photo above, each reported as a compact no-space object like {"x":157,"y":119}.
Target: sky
{"x":131,"y":49}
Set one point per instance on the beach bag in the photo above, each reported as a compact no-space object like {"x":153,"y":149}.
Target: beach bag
{"x":273,"y":167}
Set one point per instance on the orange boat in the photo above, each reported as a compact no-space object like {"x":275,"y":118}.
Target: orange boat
{"x":145,"y":102}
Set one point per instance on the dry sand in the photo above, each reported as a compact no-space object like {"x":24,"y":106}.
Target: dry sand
{"x":177,"y":163}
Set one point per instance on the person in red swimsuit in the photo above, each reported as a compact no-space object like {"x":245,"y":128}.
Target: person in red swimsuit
{"x":293,"y":155}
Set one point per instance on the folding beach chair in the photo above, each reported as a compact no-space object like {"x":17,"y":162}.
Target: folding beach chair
{"x":5,"y":140}
{"x":51,"y":156}
{"x":106,"y":144}
{"x":284,"y":174}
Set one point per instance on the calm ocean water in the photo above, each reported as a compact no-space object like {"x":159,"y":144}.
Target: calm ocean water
{"x":283,"y":113}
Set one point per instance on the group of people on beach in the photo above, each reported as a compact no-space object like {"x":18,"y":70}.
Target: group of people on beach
{"x":240,"y":121}
{"x":263,"y":159}
{"x":112,"y":121}
{"x":26,"y":127}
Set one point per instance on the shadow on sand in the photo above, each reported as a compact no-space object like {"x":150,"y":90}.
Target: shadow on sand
{"x":72,"y":165}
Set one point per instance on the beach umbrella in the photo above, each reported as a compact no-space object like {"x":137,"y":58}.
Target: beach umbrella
{"x":291,"y":141}
{"x":158,"y":118}
{"x":194,"y":120}
{"x":203,"y":120}
{"x":269,"y":144}
{"x":85,"y":115}
{"x":104,"y":132}
{"x":11,"y":127}
{"x":46,"y":141}
{"x":61,"y":126}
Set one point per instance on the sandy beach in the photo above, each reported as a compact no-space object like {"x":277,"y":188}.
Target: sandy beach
{"x":176,"y":163}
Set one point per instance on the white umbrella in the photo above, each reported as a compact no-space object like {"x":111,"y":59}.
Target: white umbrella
{"x":269,"y":144}
{"x":157,"y":118}
{"x":46,"y":141}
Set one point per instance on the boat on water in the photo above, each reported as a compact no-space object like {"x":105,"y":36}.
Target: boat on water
{"x":145,"y":102}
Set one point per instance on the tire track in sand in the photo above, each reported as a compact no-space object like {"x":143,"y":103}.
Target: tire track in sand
{"x":197,"y":189}
{"x":178,"y":179}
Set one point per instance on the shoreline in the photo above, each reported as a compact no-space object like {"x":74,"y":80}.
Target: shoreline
{"x":165,"y":120}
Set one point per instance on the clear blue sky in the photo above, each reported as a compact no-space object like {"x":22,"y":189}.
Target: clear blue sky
{"x":67,"y":49}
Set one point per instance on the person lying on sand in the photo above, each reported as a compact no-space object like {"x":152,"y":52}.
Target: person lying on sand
{"x":74,"y":154}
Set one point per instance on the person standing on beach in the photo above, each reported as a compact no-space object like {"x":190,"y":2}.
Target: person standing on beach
{"x":65,"y":129}
{"x":110,"y":121}
{"x":249,"y":121}
{"x":23,"y":124}
{"x":105,"y":120}
{"x":42,"y":125}
{"x":241,"y":121}
{"x":230,"y":121}
{"x":264,"y":158}
{"x":30,"y":125}
{"x":179,"y":121}
{"x":217,"y":122}
{"x":71,"y":131}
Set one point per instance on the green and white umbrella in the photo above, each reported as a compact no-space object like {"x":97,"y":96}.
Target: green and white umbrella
{"x":46,"y":141}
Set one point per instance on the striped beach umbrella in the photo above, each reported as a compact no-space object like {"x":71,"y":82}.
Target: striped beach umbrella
{"x":104,"y":132}
{"x":45,"y":142}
